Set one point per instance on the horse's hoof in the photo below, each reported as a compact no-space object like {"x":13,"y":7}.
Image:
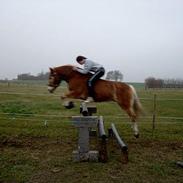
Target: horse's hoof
{"x":62,"y":97}
{"x":69,"y":105}
{"x":136,"y":135}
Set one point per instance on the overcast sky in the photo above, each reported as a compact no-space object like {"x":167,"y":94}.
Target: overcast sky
{"x":141,"y":38}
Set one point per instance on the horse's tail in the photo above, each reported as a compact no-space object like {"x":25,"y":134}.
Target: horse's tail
{"x":137,"y":107}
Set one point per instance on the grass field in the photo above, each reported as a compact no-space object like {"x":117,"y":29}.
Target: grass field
{"x":37,"y":139}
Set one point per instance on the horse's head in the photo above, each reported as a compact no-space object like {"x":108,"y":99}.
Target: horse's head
{"x":54,"y":80}
{"x":58,"y":74}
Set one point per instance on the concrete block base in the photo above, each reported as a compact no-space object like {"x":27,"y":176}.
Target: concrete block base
{"x":91,"y":156}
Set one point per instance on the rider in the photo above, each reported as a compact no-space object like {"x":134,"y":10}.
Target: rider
{"x":90,"y":66}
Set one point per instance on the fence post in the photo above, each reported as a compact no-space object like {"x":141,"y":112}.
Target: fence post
{"x":154,"y":114}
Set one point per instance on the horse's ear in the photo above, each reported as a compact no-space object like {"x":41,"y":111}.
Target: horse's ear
{"x":51,"y":70}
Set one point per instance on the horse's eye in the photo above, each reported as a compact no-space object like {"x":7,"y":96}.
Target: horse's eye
{"x":54,"y":74}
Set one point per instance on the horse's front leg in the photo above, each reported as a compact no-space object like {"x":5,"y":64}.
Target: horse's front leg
{"x":66,"y":99}
{"x":69,"y":95}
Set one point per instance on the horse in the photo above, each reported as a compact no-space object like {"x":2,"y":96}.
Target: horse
{"x":123,"y":94}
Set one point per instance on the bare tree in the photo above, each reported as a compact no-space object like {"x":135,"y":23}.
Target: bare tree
{"x":115,"y":75}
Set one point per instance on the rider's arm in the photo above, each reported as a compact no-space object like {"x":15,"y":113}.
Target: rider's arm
{"x":87,"y":67}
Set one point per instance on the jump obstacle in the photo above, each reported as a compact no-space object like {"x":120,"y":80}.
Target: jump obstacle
{"x":124,"y":148}
{"x":85,"y":124}
{"x":180,"y":163}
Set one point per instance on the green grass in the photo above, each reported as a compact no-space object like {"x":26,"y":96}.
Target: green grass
{"x":37,"y":139}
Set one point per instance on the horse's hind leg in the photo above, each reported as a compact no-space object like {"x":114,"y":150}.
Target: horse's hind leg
{"x":131,"y":113}
{"x":133,"y":117}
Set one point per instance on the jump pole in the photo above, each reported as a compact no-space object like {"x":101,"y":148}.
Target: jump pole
{"x":124,"y":148}
{"x":180,"y":163}
{"x":103,"y":155}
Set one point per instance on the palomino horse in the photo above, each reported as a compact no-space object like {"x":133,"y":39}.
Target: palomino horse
{"x":125,"y":95}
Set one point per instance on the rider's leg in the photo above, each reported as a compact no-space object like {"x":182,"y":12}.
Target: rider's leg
{"x":91,"y":83}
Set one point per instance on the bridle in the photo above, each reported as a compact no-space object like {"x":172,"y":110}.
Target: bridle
{"x":54,"y":77}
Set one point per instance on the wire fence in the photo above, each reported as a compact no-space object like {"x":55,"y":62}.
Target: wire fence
{"x":55,"y":95}
{"x":152,"y":117}
{"x":65,"y":116}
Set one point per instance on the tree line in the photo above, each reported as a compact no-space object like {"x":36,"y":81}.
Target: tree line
{"x":152,"y":82}
{"x":28,"y":76}
{"x":115,"y":75}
